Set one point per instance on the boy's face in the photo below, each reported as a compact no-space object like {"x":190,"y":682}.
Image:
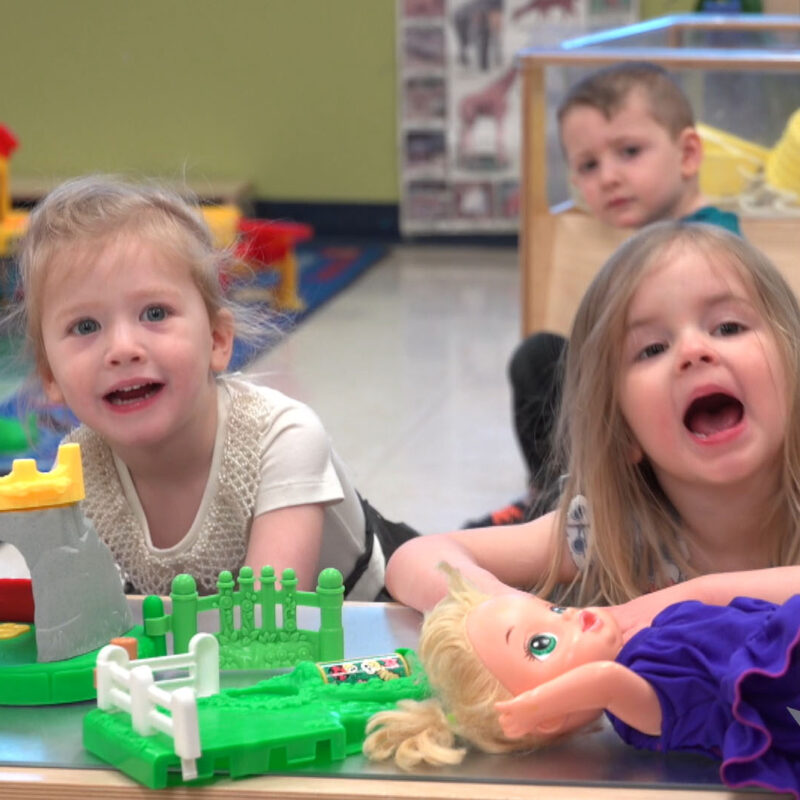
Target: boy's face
{"x":629,"y":169}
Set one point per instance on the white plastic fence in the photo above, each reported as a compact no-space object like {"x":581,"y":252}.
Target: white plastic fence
{"x":132,"y":687}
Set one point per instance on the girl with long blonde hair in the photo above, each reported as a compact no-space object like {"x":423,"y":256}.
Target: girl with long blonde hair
{"x":680,"y":430}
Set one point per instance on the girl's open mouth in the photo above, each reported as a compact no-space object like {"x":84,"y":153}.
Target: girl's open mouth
{"x":133,"y":394}
{"x":712,"y":414}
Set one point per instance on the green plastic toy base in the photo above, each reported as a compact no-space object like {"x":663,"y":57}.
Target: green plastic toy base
{"x":286,"y":721}
{"x":26,"y":682}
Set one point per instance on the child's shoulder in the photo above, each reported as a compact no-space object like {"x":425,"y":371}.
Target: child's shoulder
{"x":267,"y":403}
{"x":711,"y":215}
{"x":238,"y":384}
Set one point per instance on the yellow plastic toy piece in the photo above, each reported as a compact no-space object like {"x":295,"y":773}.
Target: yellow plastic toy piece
{"x":5,"y":195}
{"x":12,"y":223}
{"x":26,"y":488}
{"x":12,"y":228}
{"x":783,"y":165}
{"x":729,"y":162}
{"x":223,"y":220}
{"x":10,"y":630}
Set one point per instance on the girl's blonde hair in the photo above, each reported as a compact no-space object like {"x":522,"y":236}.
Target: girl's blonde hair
{"x":634,"y":527}
{"x":464,"y":694}
{"x":89,"y":212}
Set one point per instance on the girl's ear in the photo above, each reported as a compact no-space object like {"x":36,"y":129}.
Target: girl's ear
{"x":691,"y":146}
{"x":222,"y":333}
{"x":52,"y":391}
{"x":631,"y":447}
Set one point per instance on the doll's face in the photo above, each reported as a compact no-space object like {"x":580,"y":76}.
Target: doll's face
{"x":524,"y":641}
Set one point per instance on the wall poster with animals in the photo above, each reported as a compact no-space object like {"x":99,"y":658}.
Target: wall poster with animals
{"x":459,"y":103}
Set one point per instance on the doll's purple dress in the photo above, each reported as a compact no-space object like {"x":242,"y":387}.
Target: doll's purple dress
{"x":725,"y":676}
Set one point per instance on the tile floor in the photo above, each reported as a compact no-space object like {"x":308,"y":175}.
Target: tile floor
{"x":406,"y":369}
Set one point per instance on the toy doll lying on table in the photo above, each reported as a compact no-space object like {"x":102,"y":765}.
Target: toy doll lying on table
{"x":512,"y":671}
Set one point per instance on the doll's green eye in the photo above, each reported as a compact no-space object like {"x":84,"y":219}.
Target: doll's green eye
{"x":558,"y":609}
{"x":541,"y":645}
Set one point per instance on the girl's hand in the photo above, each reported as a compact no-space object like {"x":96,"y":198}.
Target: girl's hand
{"x":577,"y":697}
{"x":558,"y":706}
{"x":519,"y":716}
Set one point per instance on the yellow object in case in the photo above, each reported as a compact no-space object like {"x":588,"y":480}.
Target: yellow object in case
{"x":729,"y":162}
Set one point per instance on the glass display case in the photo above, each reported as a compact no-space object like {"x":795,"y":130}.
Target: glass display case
{"x":742,"y":76}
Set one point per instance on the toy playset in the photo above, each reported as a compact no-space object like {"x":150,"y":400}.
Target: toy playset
{"x":178,"y":730}
{"x":74,"y":604}
{"x":67,"y":634}
{"x":75,"y":591}
{"x":262,"y":245}
{"x":12,"y":223}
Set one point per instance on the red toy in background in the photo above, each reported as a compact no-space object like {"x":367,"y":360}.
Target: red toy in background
{"x":271,"y":243}
{"x":8,"y":144}
{"x":12,"y":223}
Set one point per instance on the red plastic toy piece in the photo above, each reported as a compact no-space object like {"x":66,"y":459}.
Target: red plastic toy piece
{"x":16,"y":600}
{"x":8,"y":142}
{"x":268,"y":243}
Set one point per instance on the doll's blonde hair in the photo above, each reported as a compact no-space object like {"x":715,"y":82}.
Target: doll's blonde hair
{"x":464,"y":694}
{"x":81,"y":217}
{"x":633,"y":524}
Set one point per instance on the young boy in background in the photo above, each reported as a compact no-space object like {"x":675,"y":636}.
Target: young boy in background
{"x":633,"y":154}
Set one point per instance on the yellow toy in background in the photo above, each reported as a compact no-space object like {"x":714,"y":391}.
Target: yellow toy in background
{"x":758,"y":180}
{"x":783,"y":163}
{"x":262,"y":243}
{"x":12,"y":223}
{"x":730,"y":163}
{"x":8,"y":144}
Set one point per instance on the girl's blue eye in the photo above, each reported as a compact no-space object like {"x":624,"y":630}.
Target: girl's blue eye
{"x":650,"y":351}
{"x":541,"y":645}
{"x":154,"y":314}
{"x":729,"y":328}
{"x":558,"y":609}
{"x":84,"y":327}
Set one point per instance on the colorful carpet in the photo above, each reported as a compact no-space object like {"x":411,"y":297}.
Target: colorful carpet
{"x":324,"y":270}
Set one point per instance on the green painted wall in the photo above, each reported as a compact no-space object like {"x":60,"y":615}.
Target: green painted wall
{"x":297,"y":95}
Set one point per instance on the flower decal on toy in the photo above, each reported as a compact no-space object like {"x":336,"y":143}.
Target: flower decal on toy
{"x":383,"y":668}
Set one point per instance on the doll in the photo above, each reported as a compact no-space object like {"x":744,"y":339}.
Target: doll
{"x":513,"y":671}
